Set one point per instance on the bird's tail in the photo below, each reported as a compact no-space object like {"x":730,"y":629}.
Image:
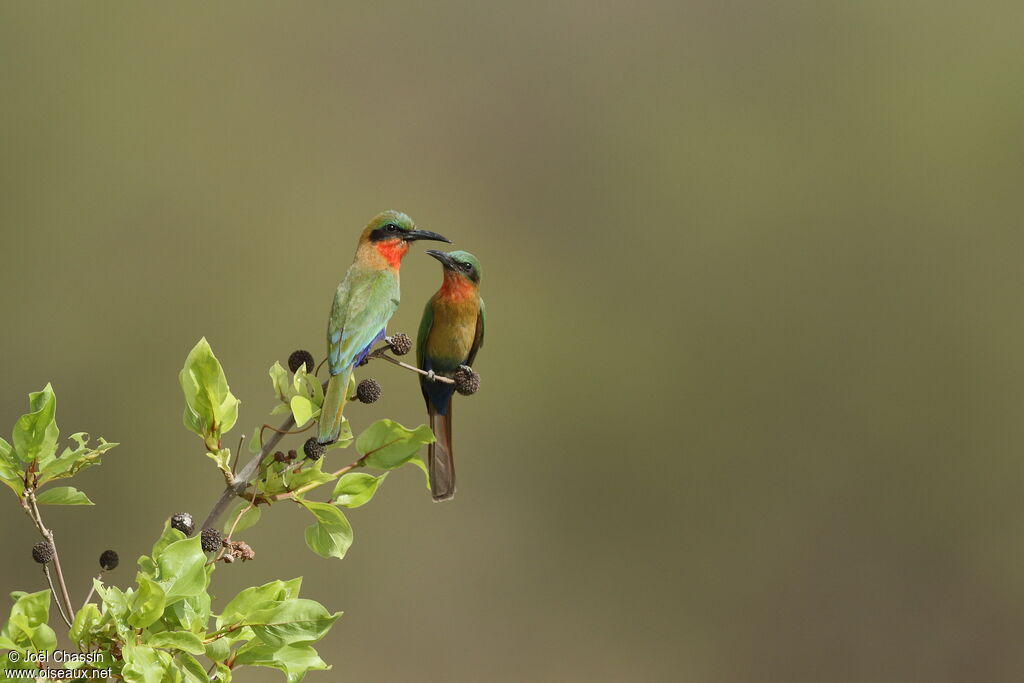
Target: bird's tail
{"x":334,"y":405}
{"x":440,"y":460}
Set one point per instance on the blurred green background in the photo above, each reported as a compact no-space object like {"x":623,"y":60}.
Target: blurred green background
{"x":752,"y":382}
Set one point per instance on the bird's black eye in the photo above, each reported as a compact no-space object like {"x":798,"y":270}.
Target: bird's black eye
{"x":391,"y":227}
{"x":466,"y":266}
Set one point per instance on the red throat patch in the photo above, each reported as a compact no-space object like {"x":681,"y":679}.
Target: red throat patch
{"x":393,"y":250}
{"x":455,"y":287}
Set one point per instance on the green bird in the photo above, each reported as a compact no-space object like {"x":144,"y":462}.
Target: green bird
{"x":451,"y":333}
{"x":364,"y":303}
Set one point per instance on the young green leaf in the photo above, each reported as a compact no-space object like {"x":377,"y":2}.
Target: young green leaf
{"x":191,"y":614}
{"x":86,"y":621}
{"x":331,"y":535}
{"x":356,"y":488}
{"x":252,"y":600}
{"x":387,"y":444}
{"x":210,"y":408}
{"x":35,"y":433}
{"x":302,"y":409}
{"x":143,"y":664}
{"x":295,"y":621}
{"x":63,"y":495}
{"x":416,"y":462}
{"x":73,"y":460}
{"x":249,"y":518}
{"x":26,"y":627}
{"x":182,"y":569}
{"x":294,"y":660}
{"x":222,"y":457}
{"x":178,"y":640}
{"x":147,"y":604}
{"x":10,"y":471}
{"x":192,"y":671}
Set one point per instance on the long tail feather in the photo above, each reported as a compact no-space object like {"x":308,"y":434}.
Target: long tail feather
{"x":334,"y":405}
{"x":440,"y":459}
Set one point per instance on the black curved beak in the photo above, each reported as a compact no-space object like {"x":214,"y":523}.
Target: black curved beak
{"x":441,"y":256}
{"x":414,"y":235}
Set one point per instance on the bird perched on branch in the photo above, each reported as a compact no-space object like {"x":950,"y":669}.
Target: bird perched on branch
{"x":364,"y":303}
{"x":451,"y":333}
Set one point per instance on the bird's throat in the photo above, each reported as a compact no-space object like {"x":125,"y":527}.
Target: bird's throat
{"x":393,"y":251}
{"x":456,"y":288}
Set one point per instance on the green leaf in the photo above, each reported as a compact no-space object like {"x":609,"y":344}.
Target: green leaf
{"x":115,"y":601}
{"x":182,"y":569}
{"x":292,"y":622}
{"x":387,"y":444}
{"x":331,"y":536}
{"x":143,"y":664}
{"x":27,"y":625}
{"x":223,"y":459}
{"x":416,"y":462}
{"x":356,"y":488}
{"x":223,"y":672}
{"x":192,"y":671}
{"x":294,"y":660}
{"x":35,"y":433}
{"x":311,"y":474}
{"x":191,"y":614}
{"x":168,"y":536}
{"x":63,"y":495}
{"x":86,"y":621}
{"x":252,"y":600}
{"x":218,"y":650}
{"x":147,"y":604}
{"x":302,"y":409}
{"x":210,"y":408}
{"x":73,"y":460}
{"x":279,"y":378}
{"x":249,"y":518}
{"x":178,"y":640}
{"x":10,"y":471}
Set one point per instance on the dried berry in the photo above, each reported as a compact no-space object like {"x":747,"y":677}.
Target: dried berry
{"x":211,"y":539}
{"x":42,"y":552}
{"x":313,"y":449}
{"x":466,"y":380}
{"x":368,"y":391}
{"x":109,"y":560}
{"x":300,"y":358}
{"x":183,"y":523}
{"x":400,"y":344}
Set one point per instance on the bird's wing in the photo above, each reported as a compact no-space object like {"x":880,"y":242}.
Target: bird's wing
{"x":478,"y":340}
{"x":363,"y":306}
{"x":426,"y":322}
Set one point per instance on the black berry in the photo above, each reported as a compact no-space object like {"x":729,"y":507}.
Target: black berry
{"x":313,"y":449}
{"x":300,"y":358}
{"x":108,"y":560}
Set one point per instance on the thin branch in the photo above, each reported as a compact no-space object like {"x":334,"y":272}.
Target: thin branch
{"x":256,"y":499}
{"x":246,"y":475}
{"x":429,"y":374}
{"x":238,"y":518}
{"x":92,"y":588}
{"x":56,"y":596}
{"x":48,"y":535}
